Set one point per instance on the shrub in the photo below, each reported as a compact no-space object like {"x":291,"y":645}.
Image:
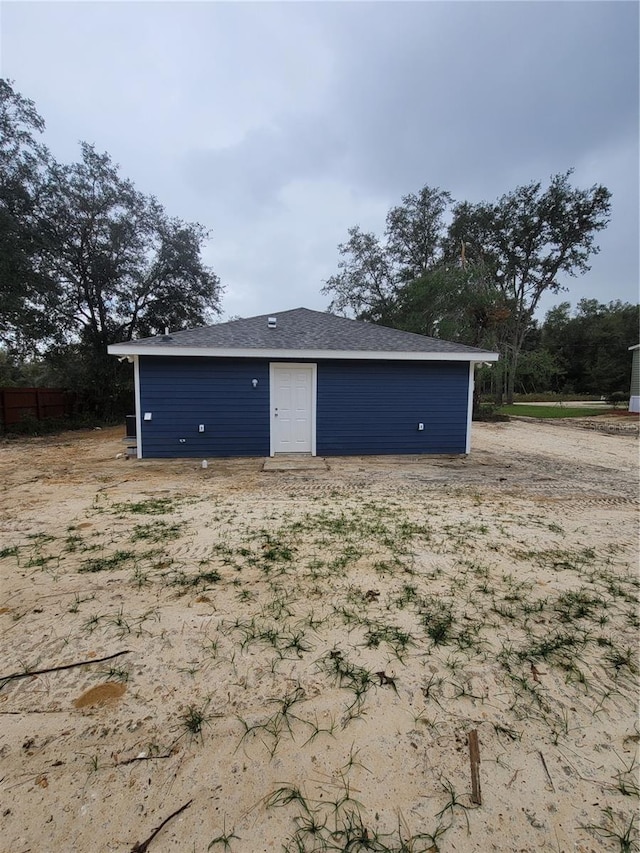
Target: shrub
{"x":488,"y":412}
{"x":616,"y":398}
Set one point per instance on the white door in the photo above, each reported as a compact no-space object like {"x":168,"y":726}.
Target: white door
{"x":292,"y":408}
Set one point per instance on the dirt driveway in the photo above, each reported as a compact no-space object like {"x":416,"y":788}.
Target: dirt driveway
{"x":301,"y":655}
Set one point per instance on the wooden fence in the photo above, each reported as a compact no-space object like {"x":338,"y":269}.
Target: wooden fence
{"x":16,"y":404}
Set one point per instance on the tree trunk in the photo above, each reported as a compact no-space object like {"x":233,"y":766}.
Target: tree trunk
{"x":475,"y":406}
{"x":511,"y":381}
{"x":511,"y":367}
{"x":497,"y":382}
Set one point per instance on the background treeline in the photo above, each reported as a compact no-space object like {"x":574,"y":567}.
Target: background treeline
{"x":581,"y":352}
{"x":86,"y":260}
{"x":584,"y":352}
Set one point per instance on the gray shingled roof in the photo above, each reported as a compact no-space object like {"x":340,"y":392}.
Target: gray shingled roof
{"x":301,"y":329}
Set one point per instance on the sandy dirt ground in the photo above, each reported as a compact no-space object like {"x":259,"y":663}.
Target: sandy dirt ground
{"x":299,"y":658}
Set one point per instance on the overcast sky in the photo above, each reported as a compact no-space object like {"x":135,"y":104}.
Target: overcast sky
{"x":280,"y":125}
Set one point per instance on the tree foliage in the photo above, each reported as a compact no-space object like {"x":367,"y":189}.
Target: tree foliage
{"x":122,"y":266}
{"x":456,"y":303}
{"x":23,"y":159}
{"x":88,"y":259}
{"x":372,"y":272}
{"x":414,"y":232}
{"x":591,"y":347}
{"x":365,"y":282}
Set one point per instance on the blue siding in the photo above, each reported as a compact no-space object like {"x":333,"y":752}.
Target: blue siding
{"x":375,"y":407}
{"x":363,"y":407}
{"x":182,"y":393}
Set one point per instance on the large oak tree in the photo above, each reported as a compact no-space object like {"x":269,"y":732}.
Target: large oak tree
{"x":495,"y":260}
{"x":529,"y":238}
{"x":123,"y":268}
{"x":86,"y":259}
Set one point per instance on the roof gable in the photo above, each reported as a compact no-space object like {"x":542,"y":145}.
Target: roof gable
{"x":298,"y":332}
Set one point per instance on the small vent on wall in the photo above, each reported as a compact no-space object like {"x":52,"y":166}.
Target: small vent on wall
{"x":272,"y":322}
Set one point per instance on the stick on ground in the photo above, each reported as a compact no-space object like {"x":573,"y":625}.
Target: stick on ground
{"x":143,"y":758}
{"x":546,"y":770}
{"x":474,"y":758}
{"x":142,"y":846}
{"x":4,"y":679}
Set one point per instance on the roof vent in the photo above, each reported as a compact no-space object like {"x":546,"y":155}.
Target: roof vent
{"x":166,"y":336}
{"x":272,"y":322}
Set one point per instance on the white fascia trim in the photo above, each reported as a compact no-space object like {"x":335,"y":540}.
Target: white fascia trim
{"x":136,"y":385}
{"x":367,"y":355}
{"x":470,"y":405}
{"x":635,"y":346}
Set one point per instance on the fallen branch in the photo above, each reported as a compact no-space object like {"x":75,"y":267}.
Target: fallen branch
{"x":513,"y":778}
{"x":474,"y":758}
{"x":34,"y":711}
{"x":143,"y":758}
{"x":142,"y":846}
{"x":4,"y":679}
{"x":546,"y":770}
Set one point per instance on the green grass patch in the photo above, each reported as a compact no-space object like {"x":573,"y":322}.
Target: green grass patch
{"x":553,"y":411}
{"x":159,"y":531}
{"x":107,"y":564}
{"x":11,"y":551}
{"x":153,"y":506}
{"x":182,"y":579}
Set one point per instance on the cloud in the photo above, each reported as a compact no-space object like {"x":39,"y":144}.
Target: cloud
{"x":284,"y":259}
{"x":457,"y":97}
{"x":279,"y":125}
{"x":252,"y":174}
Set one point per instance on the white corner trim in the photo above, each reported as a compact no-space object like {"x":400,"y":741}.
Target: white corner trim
{"x":272,"y":451}
{"x":136,"y":385}
{"x":295,"y":355}
{"x":470,"y":405}
{"x":314,"y":396}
